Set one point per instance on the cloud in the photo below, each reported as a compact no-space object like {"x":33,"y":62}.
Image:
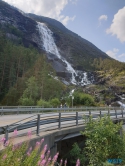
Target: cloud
{"x":121,"y":55}
{"x":118,"y":25}
{"x":103,"y":17}
{"x":48,"y":8}
{"x":113,"y":53}
{"x":67,"y":18}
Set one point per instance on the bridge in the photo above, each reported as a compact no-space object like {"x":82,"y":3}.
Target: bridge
{"x":54,"y":124}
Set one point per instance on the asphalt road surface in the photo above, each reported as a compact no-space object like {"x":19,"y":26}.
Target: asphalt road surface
{"x":9,"y":119}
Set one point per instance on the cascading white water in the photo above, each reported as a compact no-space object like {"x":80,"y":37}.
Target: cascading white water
{"x":85,"y":79}
{"x":50,"y":47}
{"x":121,"y":104}
{"x":48,"y":42}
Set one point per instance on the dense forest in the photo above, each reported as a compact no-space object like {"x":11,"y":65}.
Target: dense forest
{"x":21,"y":71}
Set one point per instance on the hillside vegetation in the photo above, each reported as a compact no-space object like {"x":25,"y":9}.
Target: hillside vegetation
{"x":22,"y":69}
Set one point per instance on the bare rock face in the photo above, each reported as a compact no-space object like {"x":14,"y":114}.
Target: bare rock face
{"x":19,"y":25}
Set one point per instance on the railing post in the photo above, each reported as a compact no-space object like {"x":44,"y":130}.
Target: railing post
{"x":6,"y":133}
{"x":108,"y":112}
{"x":17,"y":110}
{"x":2,"y":111}
{"x":38,"y":124}
{"x":89,"y":112}
{"x":122,"y":112}
{"x":116,"y":113}
{"x":100,"y":114}
{"x":76,"y":118}
{"x":59,"y":120}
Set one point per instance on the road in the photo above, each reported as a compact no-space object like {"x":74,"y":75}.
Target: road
{"x":9,"y":119}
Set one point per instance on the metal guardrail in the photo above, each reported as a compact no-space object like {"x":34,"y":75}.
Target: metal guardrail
{"x":7,"y":110}
{"x":60,"y":119}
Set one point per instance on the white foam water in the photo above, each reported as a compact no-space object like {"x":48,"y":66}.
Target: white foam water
{"x":48,"y":41}
{"x":121,"y":104}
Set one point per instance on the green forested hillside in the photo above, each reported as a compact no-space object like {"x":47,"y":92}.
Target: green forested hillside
{"x":17,"y":67}
{"x":26,"y":77}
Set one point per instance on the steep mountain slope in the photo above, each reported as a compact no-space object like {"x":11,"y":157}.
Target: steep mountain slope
{"x":78,"y":51}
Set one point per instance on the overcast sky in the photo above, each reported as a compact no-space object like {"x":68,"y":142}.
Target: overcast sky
{"x":102,"y":22}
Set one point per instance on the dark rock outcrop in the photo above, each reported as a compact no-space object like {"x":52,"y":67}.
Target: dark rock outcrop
{"x":18,"y":25}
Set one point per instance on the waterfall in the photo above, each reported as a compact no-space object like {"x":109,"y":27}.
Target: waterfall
{"x":85,"y":79}
{"x":121,"y":104}
{"x":48,"y":41}
{"x":49,"y":45}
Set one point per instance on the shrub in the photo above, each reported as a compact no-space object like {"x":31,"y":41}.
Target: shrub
{"x":104,"y":141}
{"x":55,"y":102}
{"x":82,"y":99}
{"x":26,"y":101}
{"x":43,"y":103}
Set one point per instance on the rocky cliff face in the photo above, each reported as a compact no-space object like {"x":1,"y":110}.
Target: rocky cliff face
{"x":18,"y":25}
{"x":70,"y":55}
{"x":78,"y":51}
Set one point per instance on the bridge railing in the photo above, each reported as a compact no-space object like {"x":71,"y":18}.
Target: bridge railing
{"x":57,"y":120}
{"x":8,"y":110}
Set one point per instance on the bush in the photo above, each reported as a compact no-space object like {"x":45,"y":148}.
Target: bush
{"x":43,"y":103}
{"x":82,"y":99}
{"x":86,"y":100}
{"x":104,"y":141}
{"x":26,"y":101}
{"x":55,"y":102}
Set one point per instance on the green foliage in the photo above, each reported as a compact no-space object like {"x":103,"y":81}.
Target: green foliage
{"x":30,"y":94}
{"x":103,"y":141}
{"x":55,"y":102}
{"x":15,"y":62}
{"x":87,"y":100}
{"x":81,"y":99}
{"x":13,"y":155}
{"x":32,"y":88}
{"x":43,"y":103}
{"x":25,"y":75}
{"x":25,"y":101}
{"x":77,"y":153}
